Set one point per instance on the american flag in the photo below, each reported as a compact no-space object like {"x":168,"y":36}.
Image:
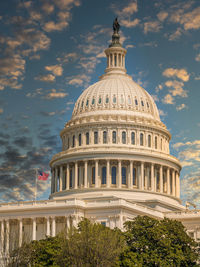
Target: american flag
{"x":42,"y":176}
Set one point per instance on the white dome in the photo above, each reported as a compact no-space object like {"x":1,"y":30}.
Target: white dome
{"x":116,"y":93}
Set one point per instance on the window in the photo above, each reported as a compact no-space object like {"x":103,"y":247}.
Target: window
{"x":161,"y":143}
{"x":114,"y":99}
{"x":79,"y":139}
{"x":134,"y":176}
{"x":141,"y":139}
{"x":93,"y":101}
{"x":136,"y":102}
{"x":114,"y":137}
{"x":157,"y":181}
{"x":68,"y":142}
{"x":133,"y":138}
{"x":82,"y":104}
{"x":113,"y":172}
{"x":87,"y":102}
{"x":115,"y":60}
{"x":73,"y":141}
{"x":107,"y":100}
{"x":147,"y":104}
{"x":103,"y":179}
{"x":123,"y":137}
{"x":142,"y":103}
{"x":95,"y":138}
{"x":70,"y":178}
{"x":93,"y":175}
{"x":149,"y":140}
{"x":87,"y":138}
{"x":99,"y":100}
{"x":156,"y":142}
{"x":123,"y":175}
{"x":105,"y":137}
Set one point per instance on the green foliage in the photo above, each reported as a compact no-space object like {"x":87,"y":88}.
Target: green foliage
{"x":157,"y":243}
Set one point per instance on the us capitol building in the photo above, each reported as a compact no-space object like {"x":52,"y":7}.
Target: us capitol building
{"x":115,"y":164}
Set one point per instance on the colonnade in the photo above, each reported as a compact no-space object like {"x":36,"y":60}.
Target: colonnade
{"x":109,"y":173}
{"x":50,"y":227}
{"x":116,"y":60}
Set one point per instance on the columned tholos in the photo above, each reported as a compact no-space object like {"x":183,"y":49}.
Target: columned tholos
{"x":119,"y":174}
{"x":86,"y":174}
{"x":76,"y":175}
{"x":96,"y":173}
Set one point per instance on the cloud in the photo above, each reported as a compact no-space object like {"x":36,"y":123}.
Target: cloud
{"x":182,"y":74}
{"x":57,"y":70}
{"x":46,"y":78}
{"x":47,"y":114}
{"x":130,"y":9}
{"x":197,"y":58}
{"x":130,"y":46}
{"x":52,"y":26}
{"x":48,"y":8}
{"x":67,"y":57}
{"x":130,"y":23}
{"x":162,"y":15}
{"x":177,"y":88}
{"x":78,"y":80}
{"x":1,"y":110}
{"x":175,"y":35}
{"x":168,"y":99}
{"x":191,"y":20}
{"x":152,"y":26}
{"x":54,"y":95}
{"x":180,"y":107}
{"x":162,"y":113}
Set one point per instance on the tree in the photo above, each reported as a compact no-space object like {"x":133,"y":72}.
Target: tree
{"x":91,"y":244}
{"x":151,"y":242}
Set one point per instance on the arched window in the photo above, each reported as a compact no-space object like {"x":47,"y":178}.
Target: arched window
{"x":87,"y":102}
{"x":95,"y":138}
{"x":147,"y":104}
{"x":79,"y":139}
{"x":82,"y":104}
{"x":93,"y":175}
{"x":134,"y":176}
{"x":70,"y":178}
{"x":156,"y":142}
{"x":123,"y":175}
{"x":141,"y":139}
{"x":87,"y":138}
{"x":99,"y":100}
{"x":114,"y":137}
{"x":73,"y":141}
{"x":114,"y":99}
{"x":142,"y":103}
{"x":93,"y":101}
{"x":114,"y":172}
{"x":123,"y":137}
{"x":149,"y":140}
{"x":104,"y":137}
{"x":103,"y":178}
{"x":107,"y":99}
{"x":133,"y":138}
{"x":136,"y":102}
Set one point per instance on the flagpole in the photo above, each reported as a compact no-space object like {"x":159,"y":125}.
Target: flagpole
{"x":36,"y":173}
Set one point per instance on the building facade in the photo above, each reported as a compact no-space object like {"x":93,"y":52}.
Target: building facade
{"x":115,"y":164}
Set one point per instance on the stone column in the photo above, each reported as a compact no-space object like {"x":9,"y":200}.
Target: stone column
{"x":86,"y":174}
{"x":108,"y":173}
{"x":7,"y":236}
{"x":2,"y":236}
{"x":168,"y":181}
{"x":173,"y":183}
{"x":52,"y":178}
{"x":119,"y":174}
{"x":142,"y":176}
{"x":76,"y":175}
{"x":34,"y":229}
{"x":53,"y":226}
{"x":48,"y":226}
{"x":152,"y":178}
{"x":67,"y":177}
{"x":130,"y":178}
{"x":96,"y":173}
{"x":146,"y":179}
{"x":56,"y":179}
{"x":161,"y":179}
{"x":177,"y":185}
{"x":61,"y":179}
{"x":20,"y":231}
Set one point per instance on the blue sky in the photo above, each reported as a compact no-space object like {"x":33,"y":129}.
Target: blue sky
{"x":50,"y":51}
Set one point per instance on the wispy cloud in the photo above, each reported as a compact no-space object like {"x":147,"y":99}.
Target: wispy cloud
{"x":182,"y":74}
{"x":55,"y":94}
{"x":181,"y":107}
{"x":57,"y":70}
{"x":46,"y":78}
{"x":152,"y":26}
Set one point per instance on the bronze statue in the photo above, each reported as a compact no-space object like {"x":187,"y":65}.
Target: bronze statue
{"x":116,"y":26}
